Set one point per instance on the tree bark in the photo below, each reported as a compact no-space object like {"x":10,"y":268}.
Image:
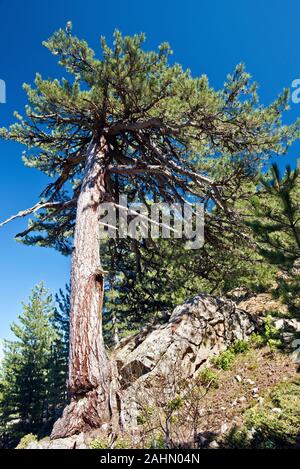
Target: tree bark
{"x":89,"y":367}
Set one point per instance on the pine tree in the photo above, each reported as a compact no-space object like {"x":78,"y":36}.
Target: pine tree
{"x":25,"y":373}
{"x":275,"y":221}
{"x":58,"y":370}
{"x":276,"y":213}
{"x":129,"y":119}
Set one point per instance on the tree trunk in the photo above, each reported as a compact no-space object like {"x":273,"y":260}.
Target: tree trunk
{"x":89,"y":367}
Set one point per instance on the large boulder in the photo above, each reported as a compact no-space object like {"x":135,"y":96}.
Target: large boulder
{"x":196,"y":332}
{"x":72,"y":442}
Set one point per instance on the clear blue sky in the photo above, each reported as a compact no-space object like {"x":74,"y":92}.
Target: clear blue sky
{"x":207,"y":36}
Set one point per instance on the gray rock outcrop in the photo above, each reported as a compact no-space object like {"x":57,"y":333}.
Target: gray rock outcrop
{"x":196,"y":332}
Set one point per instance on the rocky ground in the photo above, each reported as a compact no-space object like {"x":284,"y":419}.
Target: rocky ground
{"x":246,"y":384}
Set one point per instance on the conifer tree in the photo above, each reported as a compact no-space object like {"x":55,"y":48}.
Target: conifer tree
{"x":129,"y":115}
{"x":275,"y":221}
{"x":276,"y":216}
{"x":58,"y":367}
{"x":26,"y":367}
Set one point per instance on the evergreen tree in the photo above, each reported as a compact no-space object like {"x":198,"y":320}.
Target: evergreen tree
{"x":276,"y":216}
{"x":58,"y":370}
{"x":25,"y":373}
{"x":275,"y":221}
{"x":166,"y":135}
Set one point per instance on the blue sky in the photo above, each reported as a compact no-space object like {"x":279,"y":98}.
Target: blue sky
{"x":207,"y":36}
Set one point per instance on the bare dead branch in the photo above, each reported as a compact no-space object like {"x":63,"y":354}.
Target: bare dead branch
{"x":36,"y":208}
{"x":133,"y":212}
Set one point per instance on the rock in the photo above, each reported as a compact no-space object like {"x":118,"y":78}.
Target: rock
{"x":288,"y":339}
{"x":163,"y":354}
{"x":238,"y":378}
{"x":276,"y":410}
{"x":36,"y":445}
{"x":242,"y":399}
{"x":73,"y":442}
{"x":214,"y":445}
{"x":249,"y":381}
{"x":240,"y":294}
{"x":254,"y":391}
{"x":287,"y":325}
{"x":202,"y":440}
{"x":224,"y":428}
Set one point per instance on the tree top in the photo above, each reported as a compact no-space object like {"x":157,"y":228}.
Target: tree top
{"x":168,"y":134}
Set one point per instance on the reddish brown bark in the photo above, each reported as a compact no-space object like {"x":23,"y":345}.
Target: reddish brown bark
{"x":89,"y":369}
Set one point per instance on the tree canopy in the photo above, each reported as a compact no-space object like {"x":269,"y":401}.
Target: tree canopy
{"x":170,"y":135}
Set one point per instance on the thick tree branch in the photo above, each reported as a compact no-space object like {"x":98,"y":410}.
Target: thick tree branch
{"x":153,"y":123}
{"x":131,"y":170}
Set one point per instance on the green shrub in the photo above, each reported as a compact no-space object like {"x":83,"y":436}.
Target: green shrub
{"x":257,"y":340}
{"x":240,"y":346}
{"x":225,"y":360}
{"x":267,"y":429}
{"x":158,"y":442}
{"x":238,"y":438}
{"x":209,"y":377}
{"x":123,"y":443}
{"x":25,"y":440}
{"x":103,"y":443}
{"x":141,"y":419}
{"x":145,"y":415}
{"x":269,"y":335}
{"x":175,"y":404}
{"x":99,"y":443}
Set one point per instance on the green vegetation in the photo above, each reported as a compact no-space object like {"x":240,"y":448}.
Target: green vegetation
{"x":25,"y":440}
{"x":275,"y":424}
{"x":275,"y":221}
{"x":268,"y":335}
{"x":208,"y":377}
{"x":99,"y":443}
{"x":151,"y":279}
{"x":104,"y":443}
{"x":225,"y":359}
{"x":33,"y":371}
